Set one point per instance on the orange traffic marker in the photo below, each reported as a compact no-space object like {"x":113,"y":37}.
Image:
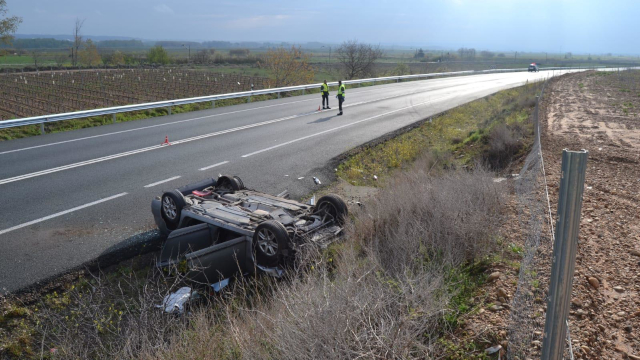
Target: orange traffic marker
{"x":166,"y":141}
{"x":318,"y":107}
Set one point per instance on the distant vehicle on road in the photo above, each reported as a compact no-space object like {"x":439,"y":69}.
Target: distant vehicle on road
{"x":220,"y":228}
{"x":533,"y":67}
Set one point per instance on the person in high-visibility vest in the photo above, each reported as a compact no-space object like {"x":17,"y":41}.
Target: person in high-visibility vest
{"x":324,"y":89}
{"x":340,"y":96}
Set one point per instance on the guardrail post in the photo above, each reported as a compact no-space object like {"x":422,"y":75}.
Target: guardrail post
{"x":574,"y":166}
{"x":213,"y":104}
{"x":249,"y":98}
{"x":42,"y":128}
{"x":303,"y":91}
{"x":278,"y":95}
{"x":169,"y":110}
{"x":397,"y":80}
{"x":114,"y":118}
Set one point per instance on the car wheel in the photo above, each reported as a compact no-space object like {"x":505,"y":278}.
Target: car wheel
{"x":172,"y":204}
{"x":269,"y":242}
{"x":240,"y":183}
{"x":230,"y":183}
{"x":334,"y":206}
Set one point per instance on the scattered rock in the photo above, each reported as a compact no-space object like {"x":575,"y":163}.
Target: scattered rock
{"x":501,"y":293}
{"x":594,"y":282}
{"x":634,"y":252}
{"x":494,"y":276}
{"x":618,"y":289}
{"x":628,"y":328}
{"x":495,"y":308}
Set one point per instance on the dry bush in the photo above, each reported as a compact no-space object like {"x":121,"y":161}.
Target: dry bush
{"x":109,"y":316}
{"x":380,"y":293}
{"x":505,"y":141}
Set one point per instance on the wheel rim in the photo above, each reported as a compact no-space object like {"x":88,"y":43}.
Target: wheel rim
{"x":169,"y":208}
{"x":267,"y":242}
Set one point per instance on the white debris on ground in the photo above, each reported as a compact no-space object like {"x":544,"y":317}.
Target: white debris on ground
{"x":174,"y":303}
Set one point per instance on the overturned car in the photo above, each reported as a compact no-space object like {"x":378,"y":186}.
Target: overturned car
{"x":220,"y":228}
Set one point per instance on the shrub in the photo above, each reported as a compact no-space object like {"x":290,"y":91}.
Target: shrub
{"x":505,"y":141}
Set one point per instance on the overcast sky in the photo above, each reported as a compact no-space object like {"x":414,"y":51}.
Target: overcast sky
{"x":580,"y":26}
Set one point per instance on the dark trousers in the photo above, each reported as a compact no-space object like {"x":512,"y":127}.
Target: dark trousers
{"x":340,"y":100}
{"x":325,"y":97}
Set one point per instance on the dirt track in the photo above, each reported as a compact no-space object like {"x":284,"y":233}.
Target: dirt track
{"x":598,"y":113}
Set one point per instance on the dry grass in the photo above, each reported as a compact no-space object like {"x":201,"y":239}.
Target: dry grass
{"x":390,"y":289}
{"x":382,"y":293}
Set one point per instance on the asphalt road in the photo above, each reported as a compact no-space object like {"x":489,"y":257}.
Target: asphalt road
{"x":67,"y":198}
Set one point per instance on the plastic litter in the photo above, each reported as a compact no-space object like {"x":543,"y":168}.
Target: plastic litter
{"x":174,"y":303}
{"x":312,"y":201}
{"x":220,"y":285}
{"x":316,"y":180}
{"x":493,"y":349}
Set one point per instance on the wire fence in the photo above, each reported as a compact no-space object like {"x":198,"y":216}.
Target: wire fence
{"x":526,"y":326}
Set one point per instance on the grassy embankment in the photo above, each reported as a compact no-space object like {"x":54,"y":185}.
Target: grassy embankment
{"x":410,"y":261}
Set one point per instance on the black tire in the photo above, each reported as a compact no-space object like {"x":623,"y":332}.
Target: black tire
{"x":172,"y":203}
{"x":240,"y":183}
{"x":333,"y":205}
{"x":270,"y":241}
{"x":230,"y":183}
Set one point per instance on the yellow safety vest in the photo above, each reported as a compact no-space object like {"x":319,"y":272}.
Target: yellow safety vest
{"x":325,"y":88}
{"x":341,"y":90}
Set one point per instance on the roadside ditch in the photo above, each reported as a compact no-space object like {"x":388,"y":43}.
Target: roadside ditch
{"x":423,"y":238}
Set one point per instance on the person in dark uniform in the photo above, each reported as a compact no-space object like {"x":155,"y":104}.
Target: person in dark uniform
{"x":340,"y":96}
{"x":325,"y":94}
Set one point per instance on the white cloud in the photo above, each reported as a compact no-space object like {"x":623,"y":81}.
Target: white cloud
{"x":163,"y":9}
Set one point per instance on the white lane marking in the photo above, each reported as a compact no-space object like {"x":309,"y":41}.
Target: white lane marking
{"x":337,"y":128}
{"x":183,"y":141}
{"x":171,"y":123}
{"x":212,"y":166}
{"x":61,"y":213}
{"x":162,"y":181}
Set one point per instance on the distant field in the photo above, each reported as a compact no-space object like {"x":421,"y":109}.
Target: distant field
{"x":32,"y":94}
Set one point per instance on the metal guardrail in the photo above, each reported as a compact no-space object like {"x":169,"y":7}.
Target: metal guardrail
{"x":169,"y":103}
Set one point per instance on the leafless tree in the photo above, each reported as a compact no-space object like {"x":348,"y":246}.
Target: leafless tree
{"x":201,"y":57}
{"x":358,"y":59}
{"x":60,"y":59}
{"x":468,"y":54}
{"x":77,"y":41}
{"x":36,"y":56}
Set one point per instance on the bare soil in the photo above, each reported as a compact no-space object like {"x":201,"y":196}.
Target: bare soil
{"x":586,"y":111}
{"x":581,"y":111}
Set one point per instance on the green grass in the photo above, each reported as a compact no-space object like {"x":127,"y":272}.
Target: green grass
{"x":462,"y":131}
